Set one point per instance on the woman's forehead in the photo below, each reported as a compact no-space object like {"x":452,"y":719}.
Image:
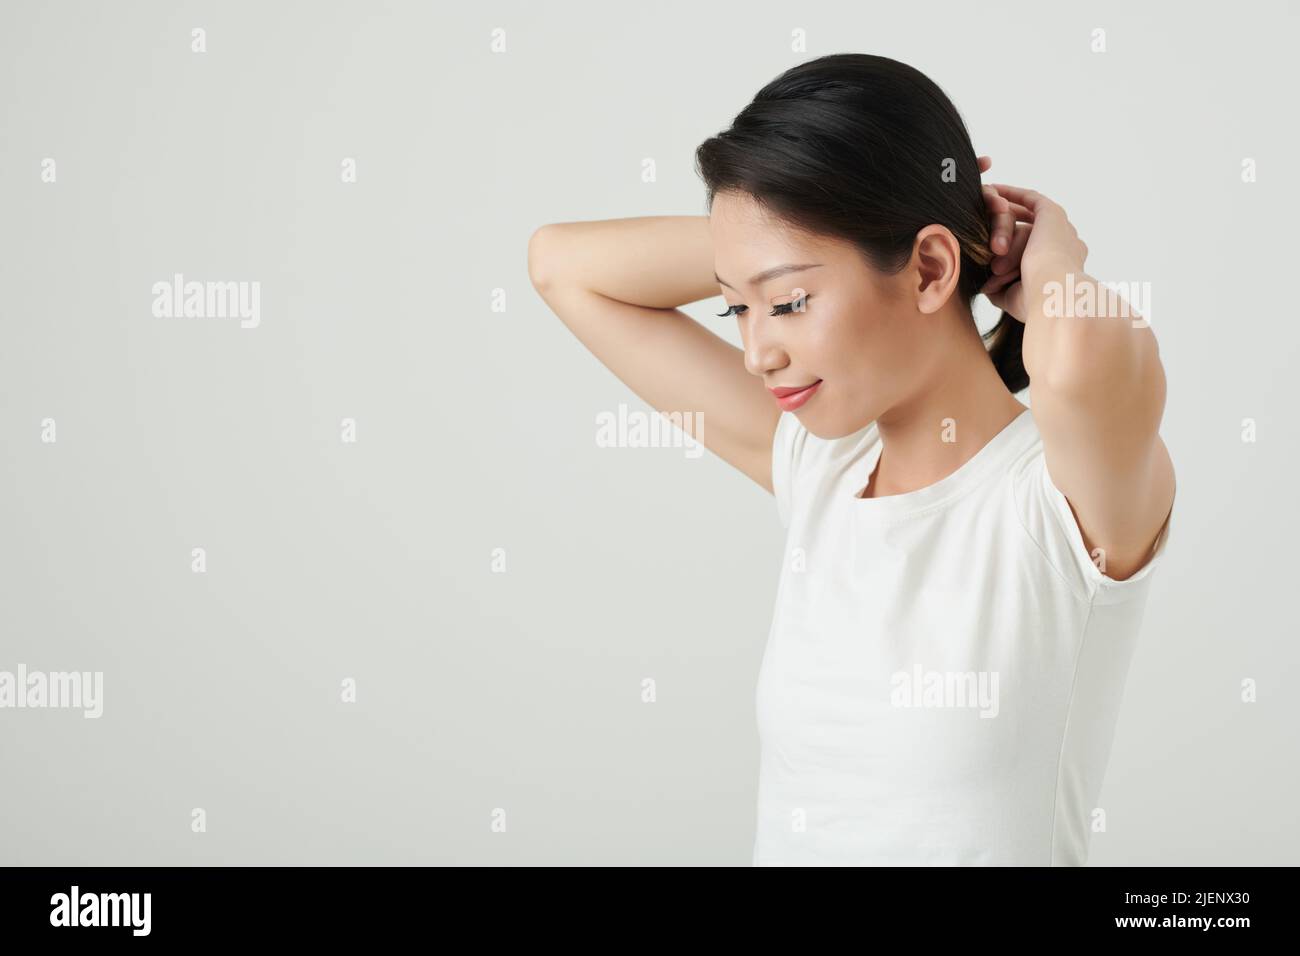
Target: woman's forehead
{"x":743,"y":257}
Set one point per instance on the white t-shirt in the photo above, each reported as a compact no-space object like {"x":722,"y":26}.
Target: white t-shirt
{"x":945,"y":667}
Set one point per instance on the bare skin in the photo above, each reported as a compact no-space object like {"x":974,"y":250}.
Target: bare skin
{"x":901,"y":350}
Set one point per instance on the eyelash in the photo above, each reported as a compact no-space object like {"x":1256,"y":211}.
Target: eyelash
{"x":785,"y":308}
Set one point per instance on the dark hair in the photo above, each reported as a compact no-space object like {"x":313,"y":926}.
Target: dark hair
{"x":855,"y":146}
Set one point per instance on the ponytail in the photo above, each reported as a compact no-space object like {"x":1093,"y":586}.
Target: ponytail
{"x":1004,"y":343}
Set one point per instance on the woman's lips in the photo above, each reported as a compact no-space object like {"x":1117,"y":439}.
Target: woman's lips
{"x":791,"y":398}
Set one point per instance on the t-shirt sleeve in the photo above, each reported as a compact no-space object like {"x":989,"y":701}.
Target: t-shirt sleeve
{"x":786,"y":445}
{"x":1050,"y":522}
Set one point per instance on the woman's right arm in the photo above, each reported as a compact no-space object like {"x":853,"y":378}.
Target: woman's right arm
{"x":617,"y":285}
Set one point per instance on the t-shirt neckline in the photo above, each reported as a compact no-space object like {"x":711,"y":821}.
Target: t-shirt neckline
{"x":969,"y":472}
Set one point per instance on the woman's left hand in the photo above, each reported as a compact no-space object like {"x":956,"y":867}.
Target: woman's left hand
{"x":1043,"y":243}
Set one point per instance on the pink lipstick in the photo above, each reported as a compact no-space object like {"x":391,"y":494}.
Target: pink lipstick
{"x":790,"y":398}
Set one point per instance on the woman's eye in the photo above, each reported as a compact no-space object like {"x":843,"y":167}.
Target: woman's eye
{"x":796,"y":304}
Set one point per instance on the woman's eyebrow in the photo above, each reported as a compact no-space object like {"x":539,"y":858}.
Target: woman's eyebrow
{"x":772,"y":273}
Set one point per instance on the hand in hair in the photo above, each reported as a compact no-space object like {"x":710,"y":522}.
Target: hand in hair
{"x":1046,"y":246}
{"x":1012,"y":223}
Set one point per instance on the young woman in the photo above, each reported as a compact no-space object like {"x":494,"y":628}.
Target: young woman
{"x":965,"y":577}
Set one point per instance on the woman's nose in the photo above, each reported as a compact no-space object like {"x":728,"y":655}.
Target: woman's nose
{"x":763,"y":355}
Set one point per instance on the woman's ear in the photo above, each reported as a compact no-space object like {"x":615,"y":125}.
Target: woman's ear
{"x":936,"y":265}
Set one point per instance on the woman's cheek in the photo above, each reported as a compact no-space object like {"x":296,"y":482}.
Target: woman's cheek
{"x":827,"y":335}
{"x":842,"y":339}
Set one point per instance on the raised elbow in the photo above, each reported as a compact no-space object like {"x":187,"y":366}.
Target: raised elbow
{"x":541,"y":257}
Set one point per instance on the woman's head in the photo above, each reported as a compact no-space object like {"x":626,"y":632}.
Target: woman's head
{"x":861,"y":165}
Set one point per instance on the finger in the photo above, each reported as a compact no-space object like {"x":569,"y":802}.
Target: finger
{"x":1010,"y":300}
{"x":1031,"y":199}
{"x":1000,"y":282}
{"x":1003,"y":222}
{"x":985,"y":163}
{"x":995,"y":282}
{"x":1011,"y":260}
{"x":1022,"y":212}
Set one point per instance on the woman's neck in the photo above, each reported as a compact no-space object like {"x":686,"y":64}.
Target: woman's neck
{"x":960,"y":407}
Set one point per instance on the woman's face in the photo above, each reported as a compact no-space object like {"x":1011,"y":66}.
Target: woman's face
{"x":858,"y":334}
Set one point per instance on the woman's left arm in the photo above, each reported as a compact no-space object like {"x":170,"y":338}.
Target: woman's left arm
{"x":1097,"y":385}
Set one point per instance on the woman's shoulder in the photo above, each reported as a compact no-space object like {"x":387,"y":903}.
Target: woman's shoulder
{"x":1048,"y":519}
{"x":800,"y":458}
